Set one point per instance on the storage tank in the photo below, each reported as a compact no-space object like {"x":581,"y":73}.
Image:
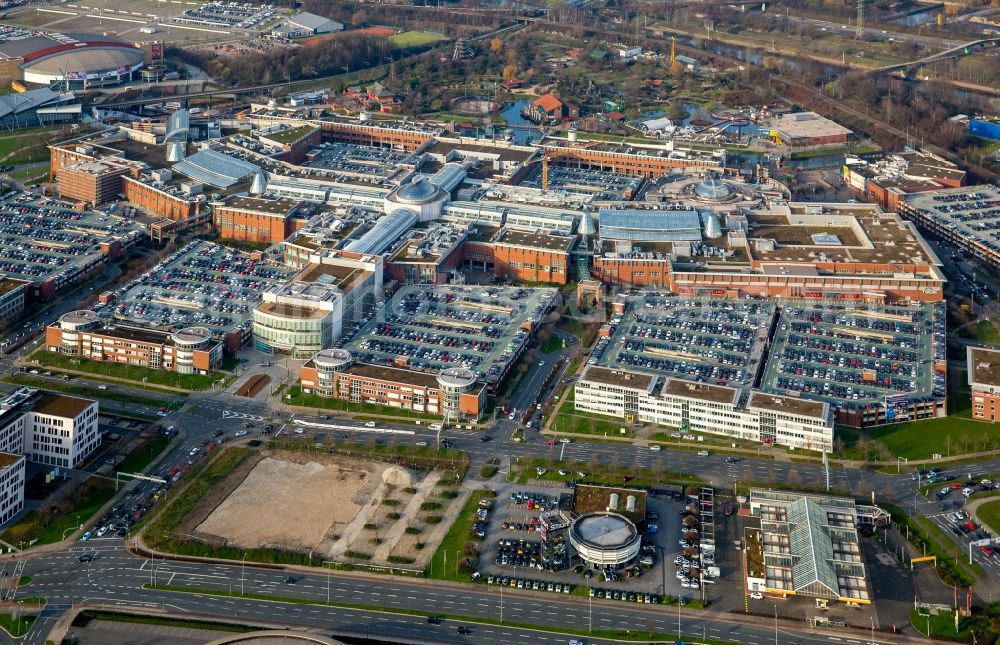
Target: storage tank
{"x":630,"y":503}
{"x":613,"y":504}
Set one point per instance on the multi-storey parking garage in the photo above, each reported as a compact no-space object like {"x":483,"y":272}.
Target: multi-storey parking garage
{"x":483,"y":329}
{"x":54,"y":246}
{"x":709,"y":341}
{"x":859,"y":357}
{"x":204,"y":285}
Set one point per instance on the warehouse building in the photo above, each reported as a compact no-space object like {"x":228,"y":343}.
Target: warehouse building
{"x":807,"y":129}
{"x":307,"y":24}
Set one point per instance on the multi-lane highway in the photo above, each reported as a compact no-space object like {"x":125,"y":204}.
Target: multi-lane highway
{"x":116,"y":577}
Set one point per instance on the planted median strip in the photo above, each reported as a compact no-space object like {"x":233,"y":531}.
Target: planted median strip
{"x":616,"y":634}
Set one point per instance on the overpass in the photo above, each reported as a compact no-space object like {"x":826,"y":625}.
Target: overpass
{"x":958,"y":50}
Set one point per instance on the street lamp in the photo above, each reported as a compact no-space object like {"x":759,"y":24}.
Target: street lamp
{"x":72,"y":528}
{"x":899,"y":459}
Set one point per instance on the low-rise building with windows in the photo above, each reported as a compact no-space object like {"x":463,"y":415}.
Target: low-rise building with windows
{"x":61,"y":430}
{"x":192,"y":350}
{"x":701,"y":407}
{"x":453,"y":393}
{"x":11,"y":486}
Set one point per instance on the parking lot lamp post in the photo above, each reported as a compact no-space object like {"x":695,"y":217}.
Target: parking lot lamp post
{"x":501,"y":604}
{"x":590,"y":609}
{"x":899,"y":459}
{"x":776,"y":625}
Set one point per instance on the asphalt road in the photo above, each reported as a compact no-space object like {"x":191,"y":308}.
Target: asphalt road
{"x":116,"y":577}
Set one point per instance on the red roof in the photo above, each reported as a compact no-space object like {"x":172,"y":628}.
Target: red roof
{"x":548,"y":103}
{"x":616,"y":116}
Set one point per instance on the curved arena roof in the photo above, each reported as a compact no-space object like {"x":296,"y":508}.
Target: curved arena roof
{"x":89,"y":58}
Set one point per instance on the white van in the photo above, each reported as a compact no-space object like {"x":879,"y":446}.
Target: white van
{"x":435,"y":426}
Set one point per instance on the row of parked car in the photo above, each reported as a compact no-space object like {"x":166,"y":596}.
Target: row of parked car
{"x":525,"y":583}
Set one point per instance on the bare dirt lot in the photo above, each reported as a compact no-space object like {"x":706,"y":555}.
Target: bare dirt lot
{"x":295,"y":503}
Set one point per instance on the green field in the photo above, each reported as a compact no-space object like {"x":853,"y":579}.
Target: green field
{"x":445,"y":563}
{"x":956,"y":434}
{"x":989,"y":514}
{"x":567,"y":419}
{"x":984,"y":331}
{"x":415,"y":38}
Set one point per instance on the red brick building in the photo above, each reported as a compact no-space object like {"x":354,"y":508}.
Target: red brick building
{"x":250,"y":219}
{"x":984,"y":382}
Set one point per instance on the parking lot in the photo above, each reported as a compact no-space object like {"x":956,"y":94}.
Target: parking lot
{"x":202,"y":284}
{"x":226,"y":15}
{"x":511,"y":554}
{"x":479,"y":328}
{"x":706,"y":340}
{"x":40,"y":241}
{"x":857,"y":353}
{"x":604,"y":186}
{"x":355,"y":160}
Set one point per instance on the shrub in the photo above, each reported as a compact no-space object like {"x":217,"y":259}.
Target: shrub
{"x":393,"y":515}
{"x":358,"y":555}
{"x":371,"y":526}
{"x":390,"y":502}
{"x":413,"y":530}
{"x":430,"y":506}
{"x":400,"y":559}
{"x":433,"y":519}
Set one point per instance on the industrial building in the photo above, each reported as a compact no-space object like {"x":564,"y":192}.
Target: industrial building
{"x":807,"y":545}
{"x":984,"y":381}
{"x":307,"y":24}
{"x":799,"y":129}
{"x":191,"y":350}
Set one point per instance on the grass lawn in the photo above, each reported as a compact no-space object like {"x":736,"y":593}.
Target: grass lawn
{"x":939,"y":625}
{"x":16,"y":627}
{"x":139,"y":459}
{"x":952,"y":435}
{"x":296,"y":397}
{"x":566,"y":419}
{"x":601,"y":474}
{"x":136,"y":374}
{"x":445,"y":563}
{"x":989,"y":514}
{"x":984,"y":331}
{"x":33,"y":527}
{"x":415,"y":38}
{"x":553,"y":344}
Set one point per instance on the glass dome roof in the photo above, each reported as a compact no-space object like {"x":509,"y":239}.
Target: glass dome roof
{"x":713,"y":190}
{"x":418,"y":191}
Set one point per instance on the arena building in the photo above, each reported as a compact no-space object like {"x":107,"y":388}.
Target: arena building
{"x":76,"y":61}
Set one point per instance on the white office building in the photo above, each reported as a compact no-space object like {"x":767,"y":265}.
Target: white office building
{"x":700,"y":407}
{"x":61,"y":430}
{"x":11,"y":486}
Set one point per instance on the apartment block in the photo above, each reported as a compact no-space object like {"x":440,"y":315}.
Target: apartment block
{"x":700,"y":407}
{"x":192,"y":350}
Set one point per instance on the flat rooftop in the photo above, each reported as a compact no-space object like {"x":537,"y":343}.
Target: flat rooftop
{"x":433,"y":327}
{"x":503,"y":153}
{"x":984,"y":366}
{"x":60,"y":405}
{"x":203,"y":284}
{"x":618,"y":378}
{"x":853,"y":355}
{"x":971,"y":213}
{"x":701,"y":391}
{"x":280,"y":206}
{"x":292,"y":311}
{"x":394,"y":374}
{"x":8,"y":459}
{"x":542,"y":241}
{"x":717,"y":341}
{"x":789,"y":404}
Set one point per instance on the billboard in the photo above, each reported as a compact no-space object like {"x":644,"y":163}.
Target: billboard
{"x":76,"y":76}
{"x":156,"y":51}
{"x":124,"y":69}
